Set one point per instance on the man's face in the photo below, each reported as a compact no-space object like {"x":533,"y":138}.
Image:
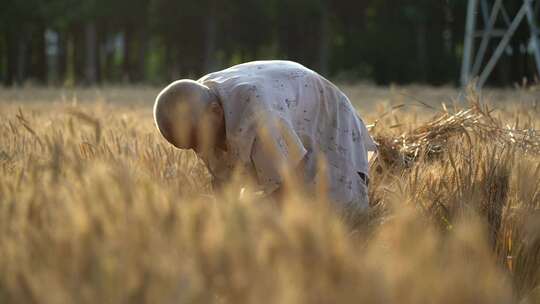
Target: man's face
{"x":198,"y":132}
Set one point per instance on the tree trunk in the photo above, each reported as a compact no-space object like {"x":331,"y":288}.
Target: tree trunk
{"x":171,"y":61}
{"x":62,"y":57}
{"x":79,"y":54}
{"x":324,"y":47}
{"x":100,"y":53}
{"x":421,"y":50}
{"x":109,"y":68}
{"x":210,"y":37}
{"x":12,"y":57}
{"x":127,"y":73}
{"x":40,"y":53}
{"x":90,"y":70}
{"x":143,"y":49}
{"x":22,"y":58}
{"x":2,"y":57}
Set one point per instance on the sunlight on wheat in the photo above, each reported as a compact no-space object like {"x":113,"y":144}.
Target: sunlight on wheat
{"x":96,"y":208}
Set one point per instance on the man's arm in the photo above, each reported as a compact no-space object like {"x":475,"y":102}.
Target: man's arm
{"x":278,"y":155}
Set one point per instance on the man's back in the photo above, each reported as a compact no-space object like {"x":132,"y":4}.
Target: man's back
{"x":317,"y":123}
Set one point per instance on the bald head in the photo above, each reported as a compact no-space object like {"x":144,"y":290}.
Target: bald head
{"x":180,"y":109}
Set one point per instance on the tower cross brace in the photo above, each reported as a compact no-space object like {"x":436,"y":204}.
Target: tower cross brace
{"x":490,"y":11}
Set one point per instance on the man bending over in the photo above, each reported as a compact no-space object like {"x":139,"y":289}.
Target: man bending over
{"x":270,"y":119}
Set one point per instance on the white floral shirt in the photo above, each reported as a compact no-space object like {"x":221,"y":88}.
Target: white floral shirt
{"x":279,"y":114}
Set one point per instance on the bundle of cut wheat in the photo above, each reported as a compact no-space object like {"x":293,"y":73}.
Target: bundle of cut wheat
{"x":432,"y":138}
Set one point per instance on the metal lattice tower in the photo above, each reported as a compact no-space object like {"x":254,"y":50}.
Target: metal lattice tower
{"x":490,"y":12}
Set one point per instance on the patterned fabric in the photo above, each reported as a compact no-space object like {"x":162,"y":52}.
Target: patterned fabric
{"x":278,"y":114}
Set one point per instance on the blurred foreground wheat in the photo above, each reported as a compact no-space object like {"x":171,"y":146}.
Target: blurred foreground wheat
{"x":96,"y":208}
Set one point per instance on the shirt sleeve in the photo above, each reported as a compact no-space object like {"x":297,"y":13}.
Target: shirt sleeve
{"x":368,"y":141}
{"x":277,"y":151}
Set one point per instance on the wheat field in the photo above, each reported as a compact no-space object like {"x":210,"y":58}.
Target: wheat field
{"x":95,"y":207}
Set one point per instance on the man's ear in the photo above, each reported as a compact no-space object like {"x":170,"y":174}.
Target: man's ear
{"x":216,"y":108}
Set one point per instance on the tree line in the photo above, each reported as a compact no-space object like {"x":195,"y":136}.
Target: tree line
{"x":86,"y":42}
